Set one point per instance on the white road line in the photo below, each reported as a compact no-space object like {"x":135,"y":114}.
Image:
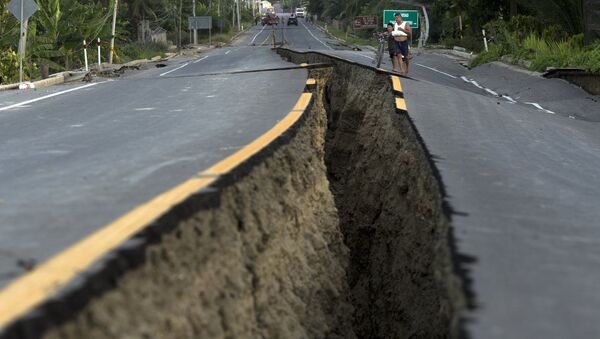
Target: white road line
{"x":173,"y":70}
{"x":492,"y":92}
{"x":204,"y":57}
{"x":251,"y":42}
{"x":229,"y":51}
{"x":536,"y":105}
{"x":324,"y":44}
{"x":477,"y":84}
{"x":435,"y":70}
{"x":511,"y":100}
{"x":20,"y":104}
{"x":366,"y":56}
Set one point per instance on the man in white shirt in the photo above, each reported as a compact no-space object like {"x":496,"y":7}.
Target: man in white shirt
{"x":401,"y":33}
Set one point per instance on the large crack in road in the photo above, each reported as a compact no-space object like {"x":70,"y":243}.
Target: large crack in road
{"x":390,"y":209}
{"x":336,"y":231}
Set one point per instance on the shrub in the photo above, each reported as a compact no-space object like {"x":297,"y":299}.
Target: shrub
{"x":494,"y":53}
{"x":496,"y":30}
{"x":469,"y":42}
{"x":137,"y":50}
{"x":523,"y":25}
{"x":554,"y":33}
{"x":9,"y":66}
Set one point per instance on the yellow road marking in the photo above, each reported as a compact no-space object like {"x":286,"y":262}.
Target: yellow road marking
{"x":303,"y":102}
{"x":401,"y":104}
{"x":257,"y":145}
{"x":304,"y":64}
{"x":396,"y":84}
{"x":311,"y":82}
{"x":32,"y":289}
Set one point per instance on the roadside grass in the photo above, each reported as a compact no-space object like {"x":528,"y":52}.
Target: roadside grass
{"x":348,"y":38}
{"x":543,"y":50}
{"x":224,"y":37}
{"x":136,"y":50}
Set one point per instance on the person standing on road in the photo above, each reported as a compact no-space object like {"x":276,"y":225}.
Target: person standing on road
{"x":391,"y":44}
{"x":401,"y":33}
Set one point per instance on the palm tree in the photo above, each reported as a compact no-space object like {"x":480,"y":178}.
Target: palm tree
{"x":138,"y":10}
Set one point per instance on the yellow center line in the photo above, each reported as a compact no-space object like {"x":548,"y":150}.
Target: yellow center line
{"x":254,"y":147}
{"x":401,"y":104}
{"x":396,"y":84}
{"x":33,"y":288}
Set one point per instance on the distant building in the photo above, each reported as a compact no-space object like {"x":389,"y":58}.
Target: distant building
{"x":265,"y":6}
{"x":159,"y":35}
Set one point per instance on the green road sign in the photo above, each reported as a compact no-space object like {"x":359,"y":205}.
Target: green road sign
{"x":412,"y":17}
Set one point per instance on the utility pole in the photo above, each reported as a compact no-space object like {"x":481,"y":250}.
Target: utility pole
{"x":194,"y":14}
{"x":237,"y":2}
{"x":180,"y":13}
{"x":112,"y":38}
{"x":219,"y":16}
{"x":175,"y":26}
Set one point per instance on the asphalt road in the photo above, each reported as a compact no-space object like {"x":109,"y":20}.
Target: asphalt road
{"x":75,"y":157}
{"x":519,"y":157}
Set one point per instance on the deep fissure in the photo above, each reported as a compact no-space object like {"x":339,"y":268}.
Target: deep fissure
{"x":389,"y":204}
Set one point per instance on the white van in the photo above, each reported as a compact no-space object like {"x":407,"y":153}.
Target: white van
{"x":300,"y":12}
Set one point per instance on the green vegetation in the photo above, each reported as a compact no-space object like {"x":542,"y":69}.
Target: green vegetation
{"x":524,"y":38}
{"x":56,"y":31}
{"x":349,"y":37}
{"x":549,"y":33}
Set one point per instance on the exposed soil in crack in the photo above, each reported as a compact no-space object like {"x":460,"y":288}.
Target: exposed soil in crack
{"x":390,"y":209}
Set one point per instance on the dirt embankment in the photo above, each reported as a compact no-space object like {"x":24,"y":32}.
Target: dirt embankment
{"x":335,"y":232}
{"x":266,"y":260}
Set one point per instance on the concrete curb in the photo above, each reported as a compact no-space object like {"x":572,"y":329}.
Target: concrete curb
{"x":69,"y":76}
{"x":54,"y":79}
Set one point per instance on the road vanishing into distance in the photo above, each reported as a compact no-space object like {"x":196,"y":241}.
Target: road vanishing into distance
{"x":519,"y":157}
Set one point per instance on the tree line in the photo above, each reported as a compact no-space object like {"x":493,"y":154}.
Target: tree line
{"x":464,"y":17}
{"x":56,"y":31}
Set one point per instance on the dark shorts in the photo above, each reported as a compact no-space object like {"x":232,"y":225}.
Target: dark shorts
{"x":401,"y":48}
{"x":392,"y":54}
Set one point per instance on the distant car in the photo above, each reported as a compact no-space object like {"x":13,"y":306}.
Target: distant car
{"x":292,"y":20}
{"x":270,"y":19}
{"x":300,"y":12}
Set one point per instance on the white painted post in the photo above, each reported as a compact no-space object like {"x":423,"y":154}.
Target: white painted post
{"x":485,"y":40}
{"x":99,"y":56}
{"x":85,"y":55}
